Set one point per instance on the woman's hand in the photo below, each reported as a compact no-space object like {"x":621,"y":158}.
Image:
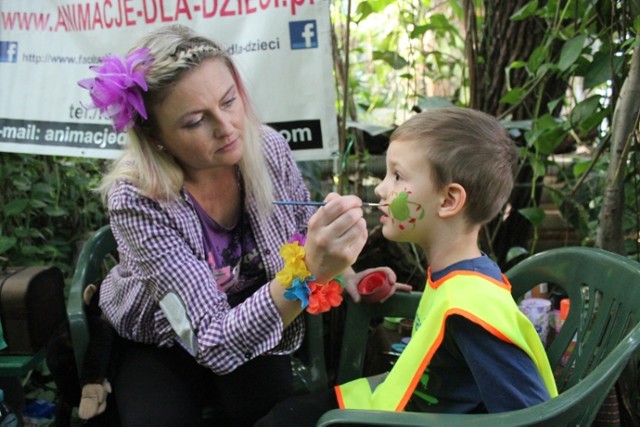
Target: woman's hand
{"x":352,"y":279}
{"x":336,"y":235}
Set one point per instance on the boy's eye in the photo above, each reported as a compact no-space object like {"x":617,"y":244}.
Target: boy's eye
{"x":397,"y":176}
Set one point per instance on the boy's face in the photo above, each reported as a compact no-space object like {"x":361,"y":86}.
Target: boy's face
{"x":409,"y":190}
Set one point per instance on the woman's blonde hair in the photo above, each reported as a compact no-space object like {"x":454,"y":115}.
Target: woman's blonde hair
{"x":175,"y":50}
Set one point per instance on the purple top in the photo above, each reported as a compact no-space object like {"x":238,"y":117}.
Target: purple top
{"x":232,"y":255}
{"x":162,"y":291}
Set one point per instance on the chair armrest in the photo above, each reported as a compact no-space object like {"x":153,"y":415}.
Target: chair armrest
{"x":90,"y":268}
{"x":308,"y":364}
{"x":12,"y":365}
{"x":78,"y":326}
{"x":356,"y":328}
{"x":387,"y":418}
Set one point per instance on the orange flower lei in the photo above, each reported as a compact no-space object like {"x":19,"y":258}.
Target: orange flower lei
{"x":300,"y":284}
{"x":323,"y":297}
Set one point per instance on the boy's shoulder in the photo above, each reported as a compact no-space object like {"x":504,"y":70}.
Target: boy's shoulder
{"x":482,"y":264}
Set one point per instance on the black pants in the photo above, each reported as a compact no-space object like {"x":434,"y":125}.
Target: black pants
{"x":300,"y":411}
{"x":166,"y":387}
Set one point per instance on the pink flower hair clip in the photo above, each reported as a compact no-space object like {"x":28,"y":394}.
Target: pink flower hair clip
{"x":116,"y":90}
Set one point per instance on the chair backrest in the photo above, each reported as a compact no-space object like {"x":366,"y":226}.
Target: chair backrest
{"x":100,"y":252}
{"x":356,"y":327}
{"x":604,"y":289}
{"x":308,"y":363}
{"x":97,"y":255}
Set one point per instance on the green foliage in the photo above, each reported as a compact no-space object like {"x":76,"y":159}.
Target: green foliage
{"x":46,"y":208}
{"x":595,"y":48}
{"x":401,"y":54}
{"x":396,"y":48}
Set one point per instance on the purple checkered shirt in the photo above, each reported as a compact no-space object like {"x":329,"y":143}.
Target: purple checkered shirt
{"x":161,"y":250}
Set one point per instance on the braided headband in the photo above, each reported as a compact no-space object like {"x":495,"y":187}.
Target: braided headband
{"x":193,"y":52}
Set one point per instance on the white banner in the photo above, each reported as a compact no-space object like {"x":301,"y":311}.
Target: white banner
{"x":282,"y":49}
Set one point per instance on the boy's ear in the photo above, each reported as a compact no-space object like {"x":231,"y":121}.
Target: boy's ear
{"x":453,"y":200}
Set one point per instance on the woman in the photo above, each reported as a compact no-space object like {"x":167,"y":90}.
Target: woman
{"x":190,"y":205}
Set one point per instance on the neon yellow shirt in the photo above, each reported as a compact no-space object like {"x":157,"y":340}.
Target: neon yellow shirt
{"x":476,"y":297}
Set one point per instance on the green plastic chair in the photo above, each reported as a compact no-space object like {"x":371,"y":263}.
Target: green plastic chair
{"x":20,"y":365}
{"x":100,"y":252}
{"x":603,"y":285}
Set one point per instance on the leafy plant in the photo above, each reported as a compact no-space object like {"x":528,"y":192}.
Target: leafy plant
{"x":588,"y":46}
{"x":558,"y":96}
{"x":47,"y":207}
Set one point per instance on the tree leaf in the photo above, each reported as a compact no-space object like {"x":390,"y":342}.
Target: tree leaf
{"x":380,"y":5}
{"x":584,"y":110}
{"x":16,"y":207}
{"x":363,"y":10}
{"x":550,"y":139}
{"x":7,"y":243}
{"x":31,"y":250}
{"x":392,"y":58}
{"x":56,"y":211}
{"x":601,"y":69}
{"x":580,"y":167}
{"x":595,"y":120}
{"x":539,"y":56}
{"x":514,"y":96}
{"x":571,"y":52}
{"x":517,"y":64}
{"x":534,"y":215}
{"x":526,"y":11}
{"x":516,"y":252}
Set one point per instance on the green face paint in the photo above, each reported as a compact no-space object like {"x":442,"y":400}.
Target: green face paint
{"x":399,"y":207}
{"x":400,"y":210}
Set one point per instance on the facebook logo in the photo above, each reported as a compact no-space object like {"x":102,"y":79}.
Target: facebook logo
{"x":8,"y":51}
{"x":303,"y":34}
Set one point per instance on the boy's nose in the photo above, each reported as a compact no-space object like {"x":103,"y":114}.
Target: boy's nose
{"x":377,"y":191}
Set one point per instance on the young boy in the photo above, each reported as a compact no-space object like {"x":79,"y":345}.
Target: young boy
{"x":449,"y":172}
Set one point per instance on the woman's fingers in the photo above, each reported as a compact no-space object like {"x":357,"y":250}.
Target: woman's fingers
{"x":352,"y":281}
{"x":341,"y":219}
{"x":336,"y":207}
{"x":337,"y":233}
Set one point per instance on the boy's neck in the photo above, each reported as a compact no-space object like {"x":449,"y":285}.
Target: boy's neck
{"x":447,"y":251}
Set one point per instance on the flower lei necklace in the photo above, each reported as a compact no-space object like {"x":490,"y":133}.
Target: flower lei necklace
{"x":116,"y":90}
{"x":300,"y":283}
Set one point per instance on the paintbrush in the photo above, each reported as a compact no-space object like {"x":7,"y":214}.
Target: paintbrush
{"x":290,"y":202}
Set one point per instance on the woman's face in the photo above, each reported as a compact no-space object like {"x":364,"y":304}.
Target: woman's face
{"x":201,"y":121}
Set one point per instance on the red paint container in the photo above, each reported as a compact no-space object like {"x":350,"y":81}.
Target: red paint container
{"x":374,"y":287}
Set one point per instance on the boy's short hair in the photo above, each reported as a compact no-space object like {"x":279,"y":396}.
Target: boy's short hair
{"x":470,"y":148}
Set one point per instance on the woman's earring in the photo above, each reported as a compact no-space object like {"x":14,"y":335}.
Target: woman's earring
{"x":160,"y":147}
